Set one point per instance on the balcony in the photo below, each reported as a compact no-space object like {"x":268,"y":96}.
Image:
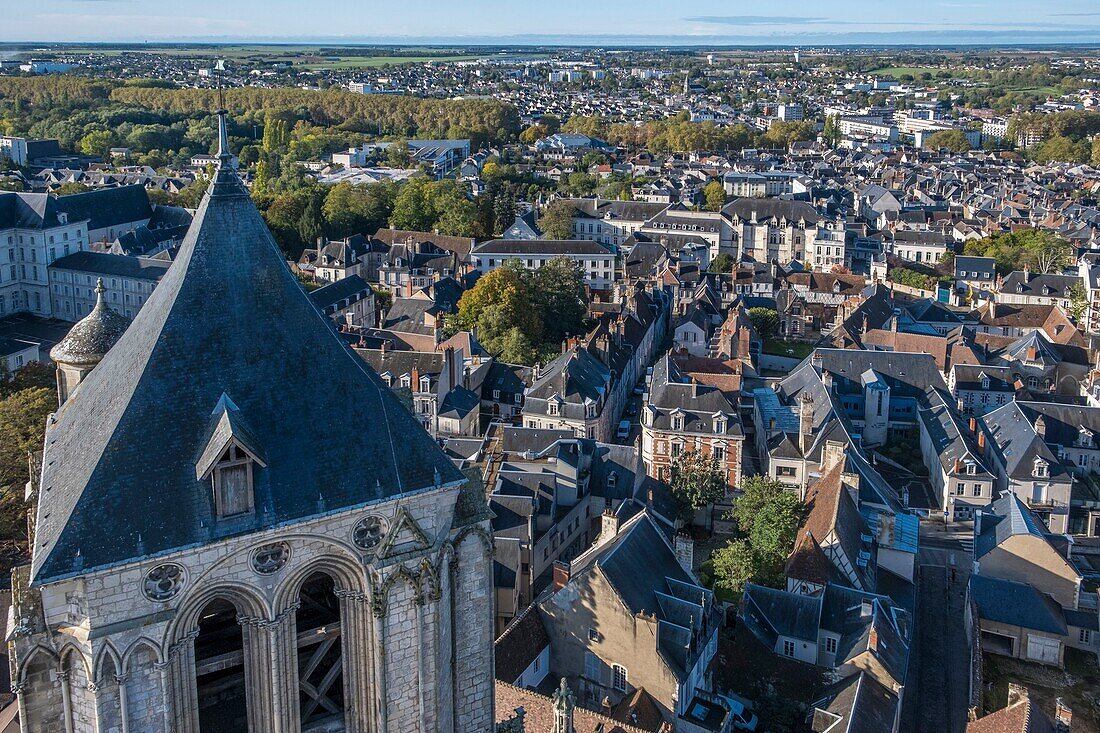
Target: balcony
{"x":1042,"y":503}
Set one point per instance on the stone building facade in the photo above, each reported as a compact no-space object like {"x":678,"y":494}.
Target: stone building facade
{"x":277,"y":563}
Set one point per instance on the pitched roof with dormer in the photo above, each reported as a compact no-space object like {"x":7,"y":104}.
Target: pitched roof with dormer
{"x":228,"y":319}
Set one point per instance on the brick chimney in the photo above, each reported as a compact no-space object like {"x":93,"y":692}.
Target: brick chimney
{"x":561,"y":574}
{"x":1041,"y":427}
{"x":1063,"y":716}
{"x":981,"y":440}
{"x":1032,"y":352}
{"x":973,"y":424}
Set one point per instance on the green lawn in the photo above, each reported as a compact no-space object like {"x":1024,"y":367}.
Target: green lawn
{"x":793,"y":349}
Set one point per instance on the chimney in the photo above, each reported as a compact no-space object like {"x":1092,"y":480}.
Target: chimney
{"x":1063,"y":716}
{"x":408,"y":288}
{"x":1041,"y":427}
{"x":1032,"y":352}
{"x":684,"y":548}
{"x":981,"y":440}
{"x":958,"y":465}
{"x":978,"y":523}
{"x":649,"y":499}
{"x":561,"y":574}
{"x":973,"y":425}
{"x":865,"y":608}
{"x":827,"y":380}
{"x":414,"y":380}
{"x":609,"y":525}
{"x":872,"y":639}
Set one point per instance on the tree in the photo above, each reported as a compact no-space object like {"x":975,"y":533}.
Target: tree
{"x":413,"y":209}
{"x":715,"y":196}
{"x":556,"y":221}
{"x":1078,"y":302}
{"x":97,"y":142}
{"x":734,"y":565}
{"x":756,"y":493}
{"x":558,"y":294}
{"x":22,"y":428}
{"x":357,"y":209}
{"x":68,"y":189}
{"x":1061,"y":149}
{"x":953,"y":140}
{"x":765,"y":321}
{"x":831,"y":132}
{"x":768,"y":517}
{"x":722,"y":263}
{"x":398,"y":156}
{"x":696,"y":481}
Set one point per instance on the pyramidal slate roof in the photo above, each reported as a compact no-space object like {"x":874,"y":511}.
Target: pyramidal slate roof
{"x":119,"y":469}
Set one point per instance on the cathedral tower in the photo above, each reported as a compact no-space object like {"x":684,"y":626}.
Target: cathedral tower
{"x":239,"y":527}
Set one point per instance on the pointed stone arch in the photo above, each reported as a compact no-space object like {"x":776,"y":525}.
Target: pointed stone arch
{"x":40,"y":655}
{"x":478,"y":531}
{"x":107,"y":653}
{"x":141,"y":643}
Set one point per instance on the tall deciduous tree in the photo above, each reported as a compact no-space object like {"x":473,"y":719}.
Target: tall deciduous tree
{"x":556,"y":221}
{"x":696,"y":481}
{"x":715,"y":196}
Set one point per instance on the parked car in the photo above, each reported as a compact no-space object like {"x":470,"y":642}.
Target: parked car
{"x":632,"y":409}
{"x":624,"y":430}
{"x":639,"y":389}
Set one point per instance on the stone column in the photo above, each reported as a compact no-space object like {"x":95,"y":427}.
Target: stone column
{"x":281,"y":641}
{"x":258,"y":674}
{"x":445,"y":650}
{"x":66,"y":699}
{"x":355,"y":654}
{"x":180,"y":687}
{"x":378,"y":656}
{"x":123,"y":703}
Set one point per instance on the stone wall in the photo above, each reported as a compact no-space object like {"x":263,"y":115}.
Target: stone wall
{"x":406,"y":612}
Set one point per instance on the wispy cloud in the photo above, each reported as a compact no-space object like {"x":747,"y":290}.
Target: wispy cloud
{"x":758,"y":19}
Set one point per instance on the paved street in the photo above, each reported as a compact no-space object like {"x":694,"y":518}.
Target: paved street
{"x":936,"y":700}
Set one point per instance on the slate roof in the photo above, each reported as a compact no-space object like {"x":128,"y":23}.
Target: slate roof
{"x":1016,"y":604}
{"x":543,"y":247}
{"x":118,"y":480}
{"x":772,"y":613}
{"x":856,"y":704}
{"x":108,"y":265}
{"x":520,"y":643}
{"x":107,"y":207}
{"x":333,"y":294}
{"x":1007,"y":516}
{"x":771,"y":208}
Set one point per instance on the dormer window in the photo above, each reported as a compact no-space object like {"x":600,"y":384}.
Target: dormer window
{"x":1084,"y":437}
{"x":229,"y":461}
{"x":552,"y":408}
{"x":985,"y":382}
{"x":425,"y":384}
{"x":677,"y":422}
{"x":720,"y":425}
{"x":1040,"y":468}
{"x":971,"y":468}
{"x":233,"y":483}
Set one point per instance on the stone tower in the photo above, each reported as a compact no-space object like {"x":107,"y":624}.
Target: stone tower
{"x":221,"y":546}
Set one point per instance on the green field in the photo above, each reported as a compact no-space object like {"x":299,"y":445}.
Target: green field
{"x":916,"y":71}
{"x":309,"y":57}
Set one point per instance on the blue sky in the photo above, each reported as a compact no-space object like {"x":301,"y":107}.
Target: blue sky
{"x":687,"y":22}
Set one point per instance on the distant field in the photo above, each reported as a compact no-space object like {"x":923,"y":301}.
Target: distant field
{"x":310,"y":57}
{"x":916,"y":71}
{"x":367,"y":62}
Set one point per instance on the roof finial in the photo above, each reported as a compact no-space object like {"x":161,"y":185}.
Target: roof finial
{"x":223,"y":138}
{"x":99,"y":291}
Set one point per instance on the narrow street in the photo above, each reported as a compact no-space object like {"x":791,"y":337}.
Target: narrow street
{"x":936,"y":700}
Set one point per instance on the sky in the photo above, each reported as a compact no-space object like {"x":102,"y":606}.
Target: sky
{"x":586,"y":22}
